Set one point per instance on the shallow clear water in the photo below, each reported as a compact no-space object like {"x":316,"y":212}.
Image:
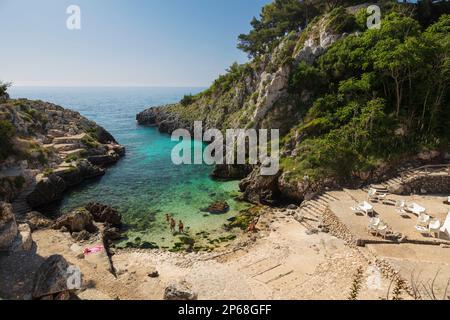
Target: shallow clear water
{"x":144,"y":185}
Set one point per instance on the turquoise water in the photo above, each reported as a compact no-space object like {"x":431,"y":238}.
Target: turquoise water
{"x":144,"y":185}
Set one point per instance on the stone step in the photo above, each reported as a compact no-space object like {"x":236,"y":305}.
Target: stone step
{"x":319,"y":205}
{"x":323,"y":200}
{"x":76,"y":152}
{"x":66,"y":147}
{"x":313,"y":212}
{"x":69,"y":139}
{"x":329,"y":197}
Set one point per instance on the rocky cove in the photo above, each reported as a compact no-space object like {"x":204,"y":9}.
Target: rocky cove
{"x":129,"y":184}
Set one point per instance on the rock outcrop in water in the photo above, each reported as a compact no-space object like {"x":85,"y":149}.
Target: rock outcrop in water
{"x":47,"y":150}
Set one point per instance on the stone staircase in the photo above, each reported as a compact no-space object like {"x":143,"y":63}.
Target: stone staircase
{"x":310,"y":213}
{"x":67,"y":146}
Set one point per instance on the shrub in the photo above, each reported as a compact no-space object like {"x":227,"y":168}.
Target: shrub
{"x":7,"y":131}
{"x":187,"y":100}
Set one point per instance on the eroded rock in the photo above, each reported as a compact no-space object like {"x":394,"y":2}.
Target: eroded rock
{"x":8,"y":226}
{"x":51,"y":278}
{"x":76,"y":221}
{"x":180,"y":291}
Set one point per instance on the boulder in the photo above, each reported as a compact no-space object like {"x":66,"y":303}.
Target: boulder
{"x":8,"y":226}
{"x":51,"y":278}
{"x":81,"y":236}
{"x":180,"y":291}
{"x":47,"y":190}
{"x":112,"y":234}
{"x":104,"y":160}
{"x":38,"y":221}
{"x":25,"y":237}
{"x":83,"y":170}
{"x":260,"y":189}
{"x":231,"y":172}
{"x":219,"y":207}
{"x":104,"y":214}
{"x":76,"y":221}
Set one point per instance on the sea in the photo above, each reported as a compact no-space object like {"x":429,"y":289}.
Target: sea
{"x":145,"y":185}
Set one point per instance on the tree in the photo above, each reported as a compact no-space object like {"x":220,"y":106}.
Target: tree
{"x":6,"y":133}
{"x":4,"y":87}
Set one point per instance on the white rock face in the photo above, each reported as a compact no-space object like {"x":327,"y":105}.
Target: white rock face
{"x":315,"y":45}
{"x":271,"y":88}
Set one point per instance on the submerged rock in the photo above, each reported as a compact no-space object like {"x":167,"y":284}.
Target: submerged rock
{"x":104,"y":214}
{"x":219,"y":207}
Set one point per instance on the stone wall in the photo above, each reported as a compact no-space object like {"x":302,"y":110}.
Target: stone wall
{"x":337,"y":228}
{"x":426,"y":184}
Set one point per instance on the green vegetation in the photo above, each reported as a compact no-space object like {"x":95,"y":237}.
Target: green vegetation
{"x":187,"y":100}
{"x":7,"y":132}
{"x":4,"y":87}
{"x":90,"y":142}
{"x":244,"y":218}
{"x":48,"y":172}
{"x":71,"y":159}
{"x":281,"y":17}
{"x":380,"y":95}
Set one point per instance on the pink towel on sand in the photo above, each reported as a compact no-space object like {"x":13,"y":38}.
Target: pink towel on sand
{"x":95,"y":249}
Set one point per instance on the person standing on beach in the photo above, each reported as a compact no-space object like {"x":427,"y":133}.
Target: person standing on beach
{"x":168,"y":217}
{"x":173,"y":224}
{"x":180,"y":227}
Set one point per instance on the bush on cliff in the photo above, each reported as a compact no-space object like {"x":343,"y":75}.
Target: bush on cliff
{"x":6,"y":134}
{"x":4,"y":87}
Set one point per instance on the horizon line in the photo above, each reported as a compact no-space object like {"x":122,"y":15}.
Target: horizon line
{"x":105,"y":86}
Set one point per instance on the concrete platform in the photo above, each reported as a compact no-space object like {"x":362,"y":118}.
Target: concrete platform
{"x":405,"y":224}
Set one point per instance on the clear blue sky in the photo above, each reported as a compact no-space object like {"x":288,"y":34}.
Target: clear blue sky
{"x":122,"y":42}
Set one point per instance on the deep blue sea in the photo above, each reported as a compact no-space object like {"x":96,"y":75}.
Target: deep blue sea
{"x":144,"y":185}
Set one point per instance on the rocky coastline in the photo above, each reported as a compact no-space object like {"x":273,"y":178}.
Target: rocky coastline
{"x":50,"y":150}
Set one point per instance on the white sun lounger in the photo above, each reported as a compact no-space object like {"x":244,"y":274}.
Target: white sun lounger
{"x":373,"y":225}
{"x":416,"y":209}
{"x":374,"y":195}
{"x":365,"y":207}
{"x":382,"y":230}
{"x":435,"y":227}
{"x":423,"y":220}
{"x":446,"y":226}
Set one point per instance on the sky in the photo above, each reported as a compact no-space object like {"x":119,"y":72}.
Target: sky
{"x":166,"y":43}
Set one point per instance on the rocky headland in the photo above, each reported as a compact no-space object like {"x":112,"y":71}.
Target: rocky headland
{"x":48,"y":149}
